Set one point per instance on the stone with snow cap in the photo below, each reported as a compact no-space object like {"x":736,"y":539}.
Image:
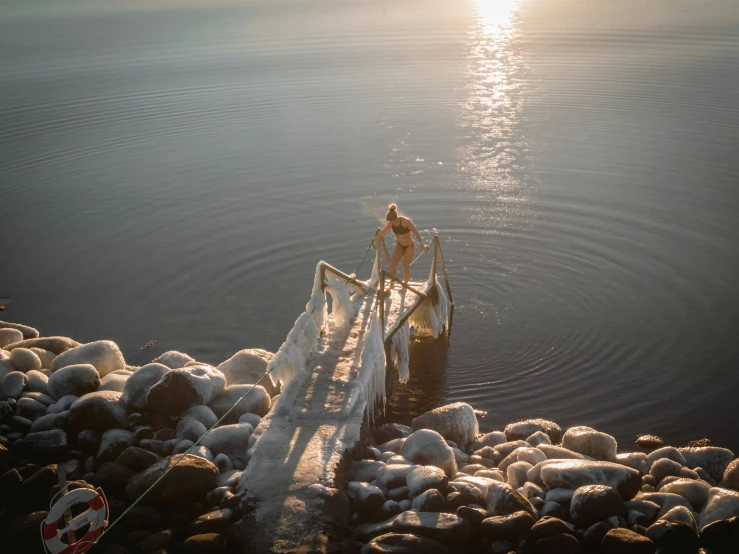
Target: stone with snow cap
{"x":240,"y":400}
{"x":731,"y":476}
{"x":572,"y":474}
{"x":45,"y":356}
{"x":635,"y":460}
{"x":57,"y":345}
{"x":694,"y":491}
{"x":103,"y":354}
{"x":669,"y":452}
{"x":665,"y":500}
{"x":365,"y":499}
{"x":10,"y":337}
{"x":503,"y":499}
{"x":174,"y":359}
{"x":137,"y":386}
{"x":115,"y":380}
{"x":24,"y":360}
{"x":713,"y":459}
{"x":589,"y":442}
{"x":26,"y":331}
{"x":722,"y":504}
{"x":76,"y":380}
{"x":424,"y":478}
{"x":99,"y":411}
{"x":492,"y":439}
{"x":553,"y":452}
{"x":593,"y":503}
{"x":521,"y":430}
{"x":427,"y":447}
{"x":393,"y":476}
{"x":181,"y":388}
{"x":231,"y":440}
{"x":248,"y":366}
{"x":456,"y":422}
{"x":12,"y":385}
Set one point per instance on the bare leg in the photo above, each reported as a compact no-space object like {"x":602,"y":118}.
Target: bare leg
{"x":407,"y":260}
{"x":394,"y":261}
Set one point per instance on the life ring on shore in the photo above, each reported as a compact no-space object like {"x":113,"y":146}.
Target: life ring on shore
{"x":95,"y":516}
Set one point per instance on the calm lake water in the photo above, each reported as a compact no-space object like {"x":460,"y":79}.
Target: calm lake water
{"x":174,"y":173}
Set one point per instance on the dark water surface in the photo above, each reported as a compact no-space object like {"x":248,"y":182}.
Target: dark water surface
{"x":174,"y":173}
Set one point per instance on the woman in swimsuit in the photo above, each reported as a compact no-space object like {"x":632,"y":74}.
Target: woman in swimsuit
{"x":404,"y":247}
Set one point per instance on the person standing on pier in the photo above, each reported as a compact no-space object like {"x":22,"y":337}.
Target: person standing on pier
{"x":404,"y":245}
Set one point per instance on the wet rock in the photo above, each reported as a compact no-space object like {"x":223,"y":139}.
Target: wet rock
{"x":507,"y":527}
{"x":522,"y":430}
{"x":624,"y":541}
{"x":516,"y":473}
{"x":400,"y":543}
{"x":593,"y":503}
{"x":12,"y":385}
{"x":100,"y":411}
{"x":157,"y":541}
{"x":424,"y":478}
{"x":364,"y":470}
{"x":181,"y":388}
{"x":589,"y":442}
{"x":651,"y":510}
{"x":488,"y":439}
{"x":30,"y":409}
{"x":248,"y":366}
{"x":365,"y":499}
{"x":189,"y":429}
{"x":256,"y":401}
{"x":664,"y":468}
{"x":447,"y":528}
{"x":48,"y":444}
{"x":113,"y":478}
{"x":115,"y":380}
{"x":207,"y":543}
{"x":26,"y":331}
{"x":57,"y":345}
{"x":634,"y":460}
{"x":552,"y":509}
{"x":563,"y":543}
{"x":429,"y":501}
{"x":10,"y":336}
{"x":572,"y":474}
{"x":731,"y":476}
{"x":548,"y":526}
{"x":722,"y":504}
{"x":173,"y":359}
{"x":393,"y":476}
{"x":45,"y":356}
{"x":669,"y":452}
{"x":390,"y":431}
{"x":231,"y":440}
{"x":76,"y":380}
{"x":37,"y":382}
{"x":695,"y":492}
{"x":665,"y":501}
{"x":113,"y":443}
{"x":503,"y":499}
{"x":137,"y":459}
{"x":712,"y":459}
{"x":671,"y":534}
{"x":456,"y":422}
{"x":721,"y":537}
{"x":217,"y":521}
{"x":137,"y":386}
{"x":190,"y":480}
{"x":103,"y":354}
{"x":427,"y":447}
{"x":24,"y":360}
{"x":558,"y":453}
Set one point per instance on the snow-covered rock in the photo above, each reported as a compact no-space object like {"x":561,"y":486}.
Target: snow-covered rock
{"x":635,"y":460}
{"x":115,"y":380}
{"x":491,"y":439}
{"x":365,"y":499}
{"x":540,"y":437}
{"x":203,"y":414}
{"x":26,"y":331}
{"x":365,"y":470}
{"x":522,"y":430}
{"x":530,"y":455}
{"x":722,"y":504}
{"x":100,"y":411}
{"x":44,"y":356}
{"x":37,"y":382}
{"x":103,"y":354}
{"x":248,"y":366}
{"x":731,"y":476}
{"x":427,"y":447}
{"x":665,"y":500}
{"x":669,"y":452}
{"x":57,"y":345}
{"x":10,"y":336}
{"x":694,"y":491}
{"x":590,"y":442}
{"x":516,"y":473}
{"x":113,"y":443}
{"x":24,"y":360}
{"x":77,"y":380}
{"x":553,"y":452}
{"x":447,"y":528}
{"x":12,"y":385}
{"x":713,"y":459}
{"x":503,"y":499}
{"x":174,"y":359}
{"x":593,"y":503}
{"x":137,"y":386}
{"x":572,"y":474}
{"x":424,"y":478}
{"x":181,"y":388}
{"x":664,"y":467}
{"x":456,"y":422}
{"x":257,"y":401}
{"x":190,"y":429}
{"x":231,"y":440}
{"x":393,"y":476}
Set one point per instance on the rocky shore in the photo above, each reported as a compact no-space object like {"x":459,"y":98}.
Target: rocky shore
{"x":438,"y":487}
{"x":118,"y":427}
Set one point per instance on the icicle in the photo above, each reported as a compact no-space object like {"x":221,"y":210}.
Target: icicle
{"x":399,"y":351}
{"x":371,"y":378}
{"x":428,"y":317}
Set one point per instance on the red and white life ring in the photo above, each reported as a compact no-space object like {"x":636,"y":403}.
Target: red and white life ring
{"x":95,"y":515}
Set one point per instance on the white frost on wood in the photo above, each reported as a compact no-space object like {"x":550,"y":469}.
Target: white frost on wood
{"x":371,"y":379}
{"x":429,"y":317}
{"x":399,"y":352}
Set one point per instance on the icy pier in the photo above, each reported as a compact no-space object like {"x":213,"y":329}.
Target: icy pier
{"x":332,"y":370}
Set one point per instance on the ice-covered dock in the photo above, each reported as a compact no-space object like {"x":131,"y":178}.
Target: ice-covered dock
{"x":332,"y":368}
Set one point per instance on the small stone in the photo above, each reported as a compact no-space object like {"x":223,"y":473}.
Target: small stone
{"x":624,"y":541}
{"x":12,"y":385}
{"x":447,"y":528}
{"x":508,"y":527}
{"x":390,"y":431}
{"x":722,"y":504}
{"x":37,"y":382}
{"x":113,"y":443}
{"x":104,"y":355}
{"x":137,"y":459}
{"x":365,"y":499}
{"x":593,"y":503}
{"x":712,"y":459}
{"x":590,"y":442}
{"x":10,"y":336}
{"x":562,"y":543}
{"x":427,"y":447}
{"x":113,"y":478}
{"x":100,"y":411}
{"x":503,"y":499}
{"x":30,"y":409}
{"x":524,"y":429}
{"x":695,"y":492}
{"x":424,"y":478}
{"x":663,"y":468}
{"x":24,"y":360}
{"x":404,"y":543}
{"x":548,"y":526}
{"x":217,"y":521}
{"x":364,"y":470}
{"x":429,"y":501}
{"x":649,"y":441}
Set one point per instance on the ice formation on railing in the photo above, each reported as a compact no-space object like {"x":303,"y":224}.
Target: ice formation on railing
{"x":399,"y":352}
{"x":429,"y":317}
{"x":371,"y":378}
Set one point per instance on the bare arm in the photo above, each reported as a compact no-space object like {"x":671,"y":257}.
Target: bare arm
{"x":384,"y":231}
{"x":416,"y":233}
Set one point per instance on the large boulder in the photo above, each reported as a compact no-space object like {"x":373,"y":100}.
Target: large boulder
{"x":572,"y":474}
{"x":137,"y":386}
{"x":256,"y":400}
{"x":427,"y":447}
{"x":231,"y":440}
{"x":522,"y":430}
{"x":713,"y":459}
{"x":590,"y":442}
{"x":447,"y":528}
{"x":191,"y":478}
{"x":503,"y":499}
{"x":57,"y":345}
{"x":77,"y":380}
{"x":24,"y":360}
{"x":455,"y":422}
{"x":103,"y":354}
{"x":181,"y":388}
{"x":99,"y":411}
{"x":174,"y":359}
{"x":722,"y":504}
{"x":248,"y":366}
{"x":26,"y":331}
{"x":593,"y":503}
{"x":12,"y":385}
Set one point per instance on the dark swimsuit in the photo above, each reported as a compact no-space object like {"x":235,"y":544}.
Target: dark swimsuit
{"x":400,"y":230}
